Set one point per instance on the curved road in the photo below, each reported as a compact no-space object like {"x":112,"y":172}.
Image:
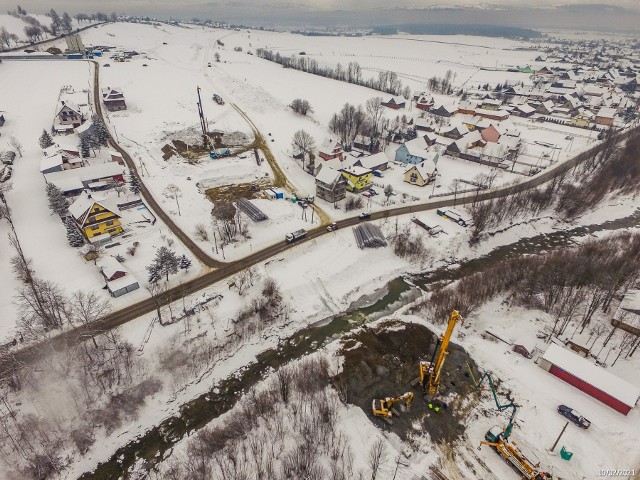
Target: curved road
{"x":225,"y":270}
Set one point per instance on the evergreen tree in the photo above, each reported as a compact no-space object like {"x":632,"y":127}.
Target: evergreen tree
{"x":134,"y":183}
{"x":100,"y":131}
{"x":74,"y":237}
{"x":164,"y":263}
{"x":154,"y":273}
{"x":57,"y":201}
{"x":184,"y":263}
{"x":84,"y":146}
{"x":45,"y":140}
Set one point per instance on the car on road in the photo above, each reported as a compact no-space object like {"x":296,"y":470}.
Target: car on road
{"x":303,"y":204}
{"x":333,"y":226}
{"x":209,"y":64}
{"x":364,"y":215}
{"x":570,"y":414}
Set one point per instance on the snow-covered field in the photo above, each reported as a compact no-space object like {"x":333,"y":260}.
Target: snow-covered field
{"x":29,"y":108}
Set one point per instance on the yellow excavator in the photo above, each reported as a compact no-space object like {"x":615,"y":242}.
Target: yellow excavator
{"x":383,"y":407}
{"x":430,"y":371}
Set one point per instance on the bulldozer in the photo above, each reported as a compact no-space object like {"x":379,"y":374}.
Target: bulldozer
{"x":430,"y":371}
{"x":384,"y":407}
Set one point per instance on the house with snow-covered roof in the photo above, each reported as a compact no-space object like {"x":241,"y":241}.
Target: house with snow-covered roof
{"x":412,"y":152}
{"x":424,"y":172}
{"x":330,"y":184}
{"x":379,"y":161}
{"x":113,"y":99}
{"x":95,"y":217}
{"x":424,"y":102}
{"x":69,"y":114}
{"x":395,"y":102}
{"x":331,"y":149}
{"x":358,"y":178}
{"x":116,"y":276}
{"x":605,"y":116}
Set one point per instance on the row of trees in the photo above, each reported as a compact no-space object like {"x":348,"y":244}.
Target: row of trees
{"x":386,"y":81}
{"x":371,"y":122}
{"x":571,"y":284}
{"x":288,"y":428}
{"x":612,"y":167}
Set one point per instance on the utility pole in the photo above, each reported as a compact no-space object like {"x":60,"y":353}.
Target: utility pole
{"x":559,"y":436}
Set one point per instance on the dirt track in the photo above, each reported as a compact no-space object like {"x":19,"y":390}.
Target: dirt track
{"x":383,"y":361}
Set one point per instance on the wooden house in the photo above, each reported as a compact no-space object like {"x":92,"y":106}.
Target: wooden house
{"x":394,"y":102}
{"x":95,"y":217}
{"x":423,"y":173}
{"x":69,"y":114}
{"x":113,"y":99}
{"x":330,"y":185}
{"x":331,"y":149}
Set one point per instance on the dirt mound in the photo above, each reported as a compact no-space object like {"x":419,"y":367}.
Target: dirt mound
{"x":383,"y":361}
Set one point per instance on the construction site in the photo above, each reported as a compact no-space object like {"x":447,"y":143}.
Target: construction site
{"x":414,"y":383}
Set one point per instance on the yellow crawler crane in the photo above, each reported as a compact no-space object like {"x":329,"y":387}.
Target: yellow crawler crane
{"x":383,"y":407}
{"x":514,"y":457}
{"x":430,"y":371}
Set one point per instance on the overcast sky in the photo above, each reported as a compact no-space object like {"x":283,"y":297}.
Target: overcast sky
{"x":575,"y":13}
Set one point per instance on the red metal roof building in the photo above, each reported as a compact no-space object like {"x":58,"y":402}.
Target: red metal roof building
{"x":602,"y":385}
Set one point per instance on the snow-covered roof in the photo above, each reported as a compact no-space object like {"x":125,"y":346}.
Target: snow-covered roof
{"x":327,"y":175}
{"x":83,"y":128}
{"x":631,"y":301}
{"x":426,"y":168}
{"x":592,"y":374}
{"x":606,"y":112}
{"x":526,"y":108}
{"x":398,"y":100}
{"x":373,"y":161}
{"x":121,"y":282}
{"x":68,"y":180}
{"x":71,"y":105}
{"x":356,"y":170}
{"x":110,"y":266}
{"x":49,"y":162}
{"x":328,"y":146}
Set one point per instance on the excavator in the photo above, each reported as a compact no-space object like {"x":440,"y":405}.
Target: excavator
{"x":498,"y":438}
{"x":384,"y":407}
{"x":430,"y":371}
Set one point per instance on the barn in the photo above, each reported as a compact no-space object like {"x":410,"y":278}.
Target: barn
{"x":591,"y":379}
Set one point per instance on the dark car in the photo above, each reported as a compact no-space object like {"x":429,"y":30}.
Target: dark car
{"x":573,"y":416}
{"x":332,"y":227}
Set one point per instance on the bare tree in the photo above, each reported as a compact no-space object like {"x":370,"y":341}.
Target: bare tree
{"x":377,"y":457}
{"x":304,"y":143}
{"x":174,"y":192}
{"x":15,"y":143}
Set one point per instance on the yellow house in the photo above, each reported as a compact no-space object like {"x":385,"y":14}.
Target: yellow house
{"x":94,"y":217}
{"x":358,"y":178}
{"x":421,"y":174}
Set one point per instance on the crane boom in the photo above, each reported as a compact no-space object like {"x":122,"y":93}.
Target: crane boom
{"x":430,"y":371}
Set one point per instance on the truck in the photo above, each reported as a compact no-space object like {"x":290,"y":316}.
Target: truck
{"x":297,"y":235}
{"x":455,"y":216}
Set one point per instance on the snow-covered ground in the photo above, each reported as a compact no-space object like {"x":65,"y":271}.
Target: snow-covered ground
{"x":16,"y":26}
{"x":29,"y":108}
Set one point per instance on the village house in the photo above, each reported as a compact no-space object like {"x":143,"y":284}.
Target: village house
{"x":331,"y":149}
{"x":423,"y":173}
{"x":394,"y":102}
{"x":499,"y":115}
{"x":118,"y":279}
{"x":627,"y":316}
{"x":379,"y":161}
{"x":330,"y":185}
{"x":95,"y":218}
{"x":424,"y":102}
{"x":113,"y":99}
{"x":92,"y":177}
{"x":467,"y":107}
{"x":524,"y":110}
{"x":443,"y":110}
{"x":363,"y":142}
{"x":358,"y":178}
{"x":116,"y":157}
{"x":605,"y":116}
{"x":424,"y":125}
{"x":69,"y":115}
{"x":454,"y":131}
{"x":412,"y":152}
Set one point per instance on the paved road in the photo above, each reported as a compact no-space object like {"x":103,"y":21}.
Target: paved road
{"x":226,"y":270}
{"x":144,"y":191}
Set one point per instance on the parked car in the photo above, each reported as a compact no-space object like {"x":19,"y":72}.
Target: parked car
{"x":209,"y":64}
{"x":106,"y":65}
{"x":332,"y":227}
{"x":373,"y":192}
{"x":573,"y":416}
{"x":303,"y":204}
{"x":366,"y":193}
{"x":364,"y":215}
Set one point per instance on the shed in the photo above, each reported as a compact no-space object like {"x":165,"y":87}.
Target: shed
{"x":602,"y":385}
{"x":278,"y":193}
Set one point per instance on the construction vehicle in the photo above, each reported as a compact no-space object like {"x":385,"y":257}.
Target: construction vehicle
{"x":498,"y":438}
{"x":506,"y":432}
{"x":430,"y":371}
{"x":384,"y":407}
{"x":297,"y":235}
